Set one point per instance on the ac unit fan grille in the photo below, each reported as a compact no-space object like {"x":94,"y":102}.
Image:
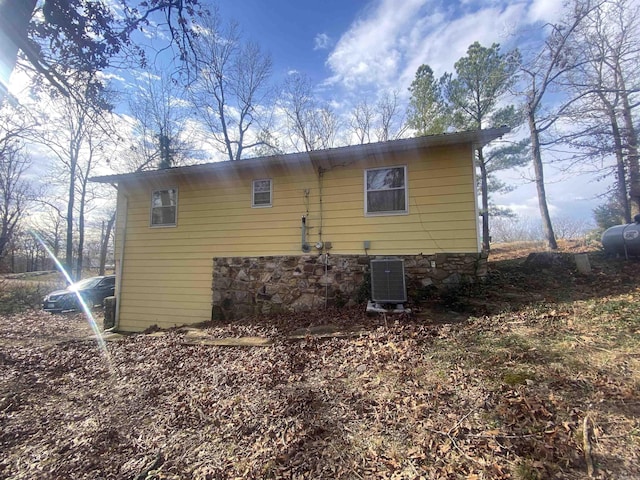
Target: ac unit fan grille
{"x":387,"y":281}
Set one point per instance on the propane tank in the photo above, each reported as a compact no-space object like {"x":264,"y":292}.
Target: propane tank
{"x":623,"y":239}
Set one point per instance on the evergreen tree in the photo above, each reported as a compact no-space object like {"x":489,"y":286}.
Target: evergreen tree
{"x":426,"y":114}
{"x":482,"y":79}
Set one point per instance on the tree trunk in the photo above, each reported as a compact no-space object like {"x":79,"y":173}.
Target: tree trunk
{"x":620,"y":170}
{"x":56,"y":241}
{"x":632,"y":150}
{"x":74,"y":154}
{"x":4,"y":239}
{"x":223,"y":123}
{"x":104,"y":245}
{"x":536,"y":159}
{"x":80,"y":252}
{"x":14,"y":20}
{"x":484,"y":191}
{"x":68,"y":260}
{"x":621,"y":174}
{"x":84,"y":178}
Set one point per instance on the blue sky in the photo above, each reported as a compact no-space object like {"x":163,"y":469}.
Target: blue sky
{"x":353,"y":49}
{"x":356,"y":49}
{"x":288,"y":30}
{"x":351,"y":43}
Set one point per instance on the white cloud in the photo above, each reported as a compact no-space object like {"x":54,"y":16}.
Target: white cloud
{"x":573,"y":196}
{"x":392,"y":39}
{"x":444,"y":46}
{"x":322,"y":41}
{"x":547,"y":11}
{"x":369,"y":50}
{"x":108,"y":76}
{"x":529,"y":208}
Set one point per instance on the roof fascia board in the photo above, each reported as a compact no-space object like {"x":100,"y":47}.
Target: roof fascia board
{"x":322,"y":158}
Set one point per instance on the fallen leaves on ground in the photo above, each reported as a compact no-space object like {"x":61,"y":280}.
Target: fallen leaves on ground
{"x":436,"y":395}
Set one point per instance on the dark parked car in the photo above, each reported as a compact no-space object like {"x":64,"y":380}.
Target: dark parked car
{"x":93,"y":290}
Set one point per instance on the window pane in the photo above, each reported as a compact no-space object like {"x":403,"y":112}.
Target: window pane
{"x":163,"y":216}
{"x":386,"y":190}
{"x":386,"y":201}
{"x":164,"y":206}
{"x":164,"y":198}
{"x":262,"y":198}
{"x":384,"y":178}
{"x":262,"y":186}
{"x":261,"y":192}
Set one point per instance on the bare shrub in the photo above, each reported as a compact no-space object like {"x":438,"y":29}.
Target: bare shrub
{"x":516,"y":229}
{"x":16,"y":297}
{"x":529,"y":229}
{"x":569,"y":228}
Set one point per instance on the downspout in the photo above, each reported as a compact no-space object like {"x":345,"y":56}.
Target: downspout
{"x":121,"y":264}
{"x":320,"y":193}
{"x":326,"y":278}
{"x":475,"y":198}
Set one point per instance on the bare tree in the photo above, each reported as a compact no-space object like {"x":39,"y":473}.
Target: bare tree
{"x":72,"y":136}
{"x":540,"y":74}
{"x":377,"y":122}
{"x":161,"y":136}
{"x":16,"y":192}
{"x":299,"y":106}
{"x":231,"y":93}
{"x":105,"y":237}
{"x":85,"y":191}
{"x":390,"y":126}
{"x":50,"y":224}
{"x":361,"y":121}
{"x":517,"y":229}
{"x":310,"y":122}
{"x":606,"y":49}
{"x":25,"y":254}
{"x":327,"y":127}
{"x":568,"y":228}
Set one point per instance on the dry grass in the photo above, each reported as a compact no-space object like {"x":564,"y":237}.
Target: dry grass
{"x":498,"y":389}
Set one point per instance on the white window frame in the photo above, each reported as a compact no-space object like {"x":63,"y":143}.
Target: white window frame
{"x":253,"y":193}
{"x":163,"y":225}
{"x":404,"y":211}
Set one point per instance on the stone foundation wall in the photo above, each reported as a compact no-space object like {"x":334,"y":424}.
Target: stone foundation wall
{"x":247,"y":285}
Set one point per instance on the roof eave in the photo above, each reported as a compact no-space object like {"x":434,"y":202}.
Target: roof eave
{"x":477,"y":138}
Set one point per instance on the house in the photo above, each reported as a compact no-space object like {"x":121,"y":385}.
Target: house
{"x":294,"y":231}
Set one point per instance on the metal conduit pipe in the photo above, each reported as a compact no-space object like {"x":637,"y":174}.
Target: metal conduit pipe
{"x":305,"y":245}
{"x":118,"y":292}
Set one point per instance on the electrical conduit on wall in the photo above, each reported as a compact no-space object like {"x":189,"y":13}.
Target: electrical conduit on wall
{"x":121,"y":265}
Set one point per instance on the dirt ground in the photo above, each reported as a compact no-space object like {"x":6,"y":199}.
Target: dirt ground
{"x":532,"y":375}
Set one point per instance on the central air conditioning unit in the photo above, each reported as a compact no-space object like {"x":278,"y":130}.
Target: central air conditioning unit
{"x":387,"y":284}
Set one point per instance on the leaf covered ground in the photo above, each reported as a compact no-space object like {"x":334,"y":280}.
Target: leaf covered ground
{"x":495,"y":381}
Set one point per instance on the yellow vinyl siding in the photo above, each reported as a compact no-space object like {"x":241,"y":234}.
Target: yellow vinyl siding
{"x":139,"y":319}
{"x":167,"y":272}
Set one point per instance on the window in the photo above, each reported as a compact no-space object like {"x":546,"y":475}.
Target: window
{"x":385,"y":191}
{"x":261,"y":195}
{"x":108,"y":282}
{"x":164,"y":206}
